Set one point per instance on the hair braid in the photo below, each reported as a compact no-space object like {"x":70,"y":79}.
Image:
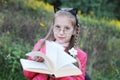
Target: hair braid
{"x":76,"y":44}
{"x":77,"y":36}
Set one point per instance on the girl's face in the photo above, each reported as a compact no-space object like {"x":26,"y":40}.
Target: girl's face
{"x":63,"y":29}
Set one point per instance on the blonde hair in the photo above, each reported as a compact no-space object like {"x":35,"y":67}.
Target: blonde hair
{"x":74,"y":38}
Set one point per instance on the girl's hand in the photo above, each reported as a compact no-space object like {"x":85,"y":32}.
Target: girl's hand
{"x":38,"y":59}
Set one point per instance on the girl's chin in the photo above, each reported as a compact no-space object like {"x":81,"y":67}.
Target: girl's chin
{"x":60,"y":42}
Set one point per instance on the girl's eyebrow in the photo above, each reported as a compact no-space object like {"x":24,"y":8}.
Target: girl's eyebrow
{"x":57,"y":25}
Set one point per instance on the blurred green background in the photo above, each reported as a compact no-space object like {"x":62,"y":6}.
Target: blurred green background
{"x":23,"y":22}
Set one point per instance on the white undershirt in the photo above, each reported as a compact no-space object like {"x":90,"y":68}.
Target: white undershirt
{"x":64,"y":44}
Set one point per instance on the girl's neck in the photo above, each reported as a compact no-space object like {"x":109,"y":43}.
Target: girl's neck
{"x":63,"y":44}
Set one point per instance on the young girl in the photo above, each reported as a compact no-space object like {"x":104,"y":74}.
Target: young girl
{"x":65,"y":32}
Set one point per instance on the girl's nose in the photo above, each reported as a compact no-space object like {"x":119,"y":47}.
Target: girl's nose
{"x":61,"y":31}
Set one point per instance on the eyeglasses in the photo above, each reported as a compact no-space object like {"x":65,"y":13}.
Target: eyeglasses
{"x":65,"y":30}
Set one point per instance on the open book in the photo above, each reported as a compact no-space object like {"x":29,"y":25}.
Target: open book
{"x":56,"y":62}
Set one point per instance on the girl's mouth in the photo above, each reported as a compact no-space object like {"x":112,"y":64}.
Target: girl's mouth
{"x":61,"y":38}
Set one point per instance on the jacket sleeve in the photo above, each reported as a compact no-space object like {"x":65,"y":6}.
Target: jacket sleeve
{"x":83,"y":59}
{"x":28,"y":74}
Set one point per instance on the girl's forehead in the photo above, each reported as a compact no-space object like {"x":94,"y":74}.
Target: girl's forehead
{"x":64,"y":19}
{"x":62,"y":16}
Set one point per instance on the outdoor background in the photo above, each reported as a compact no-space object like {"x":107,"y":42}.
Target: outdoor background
{"x":23,"y":22}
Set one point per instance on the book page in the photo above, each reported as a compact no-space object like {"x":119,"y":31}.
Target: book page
{"x":68,"y":70}
{"x":57,"y":61}
{"x":64,"y":59}
{"x":51,"y":52}
{"x":47,"y":61}
{"x":58,"y":56}
{"x":34,"y":66}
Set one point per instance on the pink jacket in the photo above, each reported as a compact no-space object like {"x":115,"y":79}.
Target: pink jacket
{"x":38,"y":76}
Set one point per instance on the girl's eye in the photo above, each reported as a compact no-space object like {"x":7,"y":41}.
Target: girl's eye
{"x":67,"y":28}
{"x":57,"y":26}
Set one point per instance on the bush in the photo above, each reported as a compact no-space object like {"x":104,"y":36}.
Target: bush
{"x":19,"y":31}
{"x":10,"y":53}
{"x":102,"y":44}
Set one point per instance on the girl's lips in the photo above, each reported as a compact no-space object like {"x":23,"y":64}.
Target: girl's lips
{"x":61,"y":37}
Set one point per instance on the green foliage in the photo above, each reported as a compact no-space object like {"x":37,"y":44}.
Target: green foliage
{"x":10,"y":53}
{"x":20,"y":22}
{"x":101,"y":8}
{"x":102,"y":43}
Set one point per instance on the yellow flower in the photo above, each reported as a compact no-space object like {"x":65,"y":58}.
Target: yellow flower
{"x":35,"y":4}
{"x":42,"y":24}
{"x":48,"y":7}
{"x":116,"y":23}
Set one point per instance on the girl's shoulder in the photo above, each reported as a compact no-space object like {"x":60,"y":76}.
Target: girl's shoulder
{"x":40,"y":41}
{"x":36,"y":46}
{"x":81,"y":52}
